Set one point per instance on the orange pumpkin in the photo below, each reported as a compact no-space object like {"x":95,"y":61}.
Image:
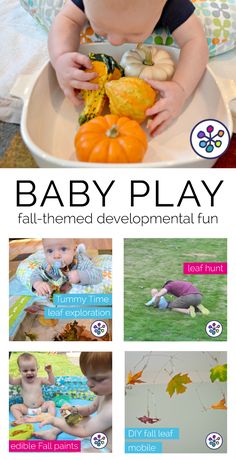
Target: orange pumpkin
{"x":111,"y":139}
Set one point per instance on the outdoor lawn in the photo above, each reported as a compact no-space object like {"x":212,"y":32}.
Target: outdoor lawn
{"x":61,"y":364}
{"x":150,"y":263}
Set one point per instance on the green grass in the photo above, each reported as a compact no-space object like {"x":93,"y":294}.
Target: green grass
{"x":151,"y":262}
{"x":60,"y":363}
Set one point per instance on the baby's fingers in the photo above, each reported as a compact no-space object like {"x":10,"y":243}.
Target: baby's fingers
{"x":158,"y":107}
{"x":70,"y":94}
{"x":81,"y":75}
{"x":82,"y":60}
{"x":83,"y":85}
{"x":157,"y":121}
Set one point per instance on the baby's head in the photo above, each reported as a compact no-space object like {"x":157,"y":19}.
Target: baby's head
{"x":59,"y":252}
{"x":97,"y":367}
{"x":124,"y":21}
{"x":28,"y":367}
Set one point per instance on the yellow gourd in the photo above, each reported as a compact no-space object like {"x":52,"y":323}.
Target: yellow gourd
{"x":130,"y":97}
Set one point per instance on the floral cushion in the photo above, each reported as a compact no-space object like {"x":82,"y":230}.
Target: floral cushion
{"x":218,"y":18}
{"x":75,"y":387}
{"x":44,"y":11}
{"x":104,"y":262}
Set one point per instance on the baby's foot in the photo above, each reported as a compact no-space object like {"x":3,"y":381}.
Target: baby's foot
{"x":192,"y":312}
{"x":48,"y":435}
{"x":203,"y":309}
{"x":18,"y":421}
{"x":151,"y":302}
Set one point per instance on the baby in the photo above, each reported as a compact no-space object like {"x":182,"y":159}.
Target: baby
{"x":31,"y":385}
{"x":121,"y":21}
{"x":155,"y":301}
{"x":97,"y":367}
{"x":64,"y":264}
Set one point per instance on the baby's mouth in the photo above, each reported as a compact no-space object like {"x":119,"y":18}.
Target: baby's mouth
{"x":30,"y":377}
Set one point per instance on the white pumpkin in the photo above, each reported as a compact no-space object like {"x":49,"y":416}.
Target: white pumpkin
{"x":148,"y":62}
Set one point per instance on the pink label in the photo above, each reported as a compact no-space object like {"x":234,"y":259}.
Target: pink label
{"x":41,"y":445}
{"x":205,"y":268}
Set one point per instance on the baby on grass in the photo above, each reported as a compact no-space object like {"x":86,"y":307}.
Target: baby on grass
{"x":31,"y":386}
{"x":132,"y":21}
{"x":97,"y":367}
{"x":65,"y":264}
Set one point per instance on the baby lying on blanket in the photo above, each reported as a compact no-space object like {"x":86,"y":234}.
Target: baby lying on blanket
{"x":65,"y":263}
{"x":34,"y":408}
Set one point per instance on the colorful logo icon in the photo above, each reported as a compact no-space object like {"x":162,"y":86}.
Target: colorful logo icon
{"x":99,"y":328}
{"x":210,"y":139}
{"x":99,"y":440}
{"x":214,"y":329}
{"x":214,"y":441}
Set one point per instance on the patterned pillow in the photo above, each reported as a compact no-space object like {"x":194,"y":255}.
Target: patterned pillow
{"x":75,"y":387}
{"x":44,"y":11}
{"x":218,"y":18}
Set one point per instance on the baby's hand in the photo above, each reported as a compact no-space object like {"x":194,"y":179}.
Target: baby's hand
{"x":42,"y":288}
{"x":73,"y":276}
{"x":48,"y":368}
{"x":71,"y":76}
{"x":66,"y":407}
{"x":167,"y":107}
{"x":70,"y":408}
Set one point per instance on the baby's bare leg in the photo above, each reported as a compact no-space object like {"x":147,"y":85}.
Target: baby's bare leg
{"x":185,"y":311}
{"x":48,"y":435}
{"x":19,"y":411}
{"x":154,"y":291}
{"x":49,"y":406}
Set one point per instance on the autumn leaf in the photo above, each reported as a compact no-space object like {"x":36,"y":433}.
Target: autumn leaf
{"x":32,"y":337}
{"x":133,"y":379}
{"x":176,"y":384}
{"x":219,"y":373}
{"x":219,"y":405}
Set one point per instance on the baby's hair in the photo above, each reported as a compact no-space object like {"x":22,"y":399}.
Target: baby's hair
{"x":25,"y":357}
{"x":167,"y":282}
{"x":95,"y":361}
{"x":70,"y":239}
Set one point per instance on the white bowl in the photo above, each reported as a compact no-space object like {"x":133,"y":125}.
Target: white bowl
{"x":49,"y":121}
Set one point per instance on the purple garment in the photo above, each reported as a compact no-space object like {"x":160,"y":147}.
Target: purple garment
{"x":179,"y":288}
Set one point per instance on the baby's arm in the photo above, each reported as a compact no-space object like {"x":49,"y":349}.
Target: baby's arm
{"x":14,"y":381}
{"x":163,"y":291}
{"x":85,"y":411}
{"x":51,"y":378}
{"x":190,"y":68}
{"x":63,"y":45}
{"x":38,"y":285}
{"x":86,"y":272}
{"x":87,"y":427}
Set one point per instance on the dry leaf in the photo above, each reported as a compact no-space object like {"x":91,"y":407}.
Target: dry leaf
{"x":220,"y":405}
{"x":176,"y":384}
{"x":133,"y":379}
